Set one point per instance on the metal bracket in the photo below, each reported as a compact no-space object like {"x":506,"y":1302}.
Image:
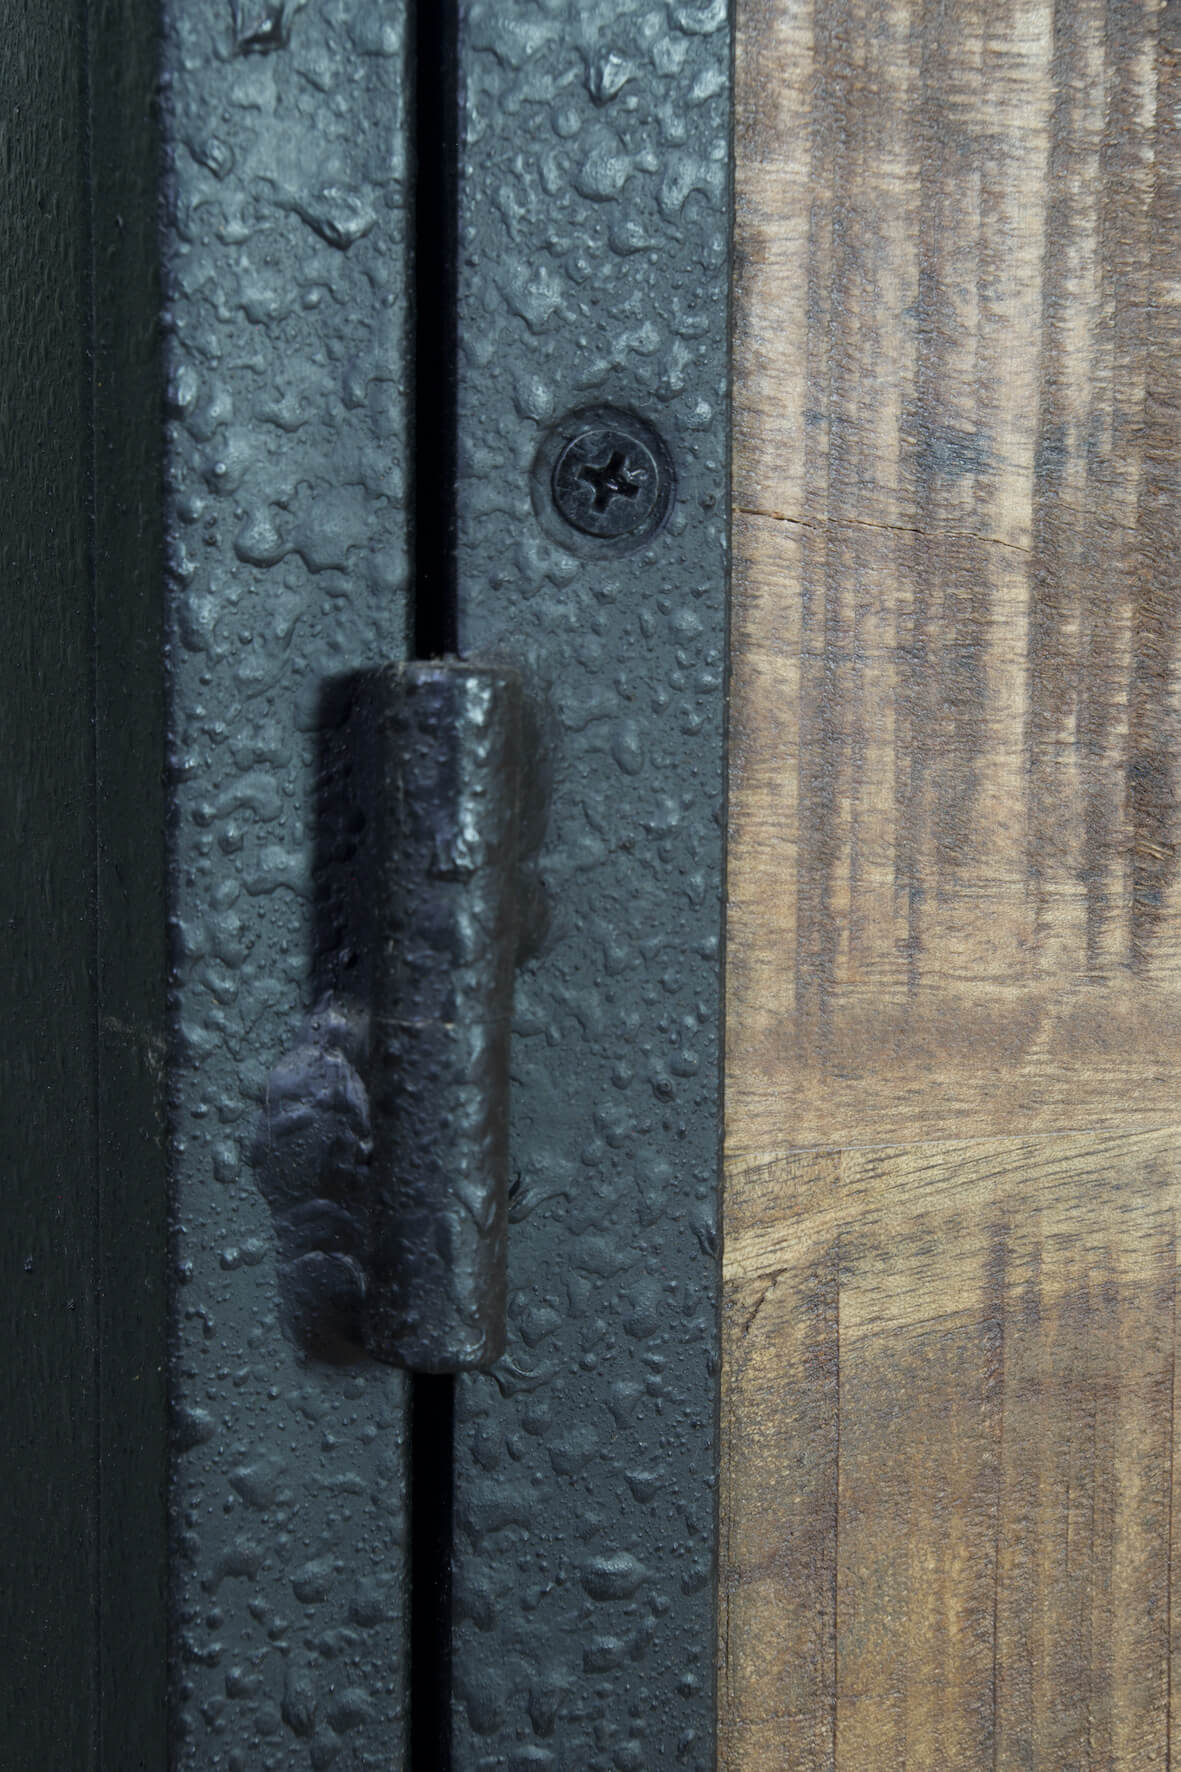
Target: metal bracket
{"x":590,"y":497}
{"x":594,"y":231}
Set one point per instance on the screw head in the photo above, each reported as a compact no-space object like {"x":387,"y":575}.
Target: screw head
{"x":610,"y":476}
{"x":605,"y":482}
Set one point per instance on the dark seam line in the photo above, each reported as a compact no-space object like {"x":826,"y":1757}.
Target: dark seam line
{"x":89,"y":402}
{"x":432,"y":1441}
{"x":433,"y":89}
{"x":433,"y":92}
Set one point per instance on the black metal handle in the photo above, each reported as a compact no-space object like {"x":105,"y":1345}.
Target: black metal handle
{"x":447,"y":738}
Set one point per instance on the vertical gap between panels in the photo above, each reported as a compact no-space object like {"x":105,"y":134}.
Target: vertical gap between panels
{"x":90,"y":397}
{"x":435,"y":125}
{"x":434,"y":98}
{"x":432,"y":1440}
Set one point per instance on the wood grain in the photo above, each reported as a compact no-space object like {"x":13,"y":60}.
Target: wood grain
{"x":956,"y":906}
{"x":950,"y":1485}
{"x":953,"y":1119}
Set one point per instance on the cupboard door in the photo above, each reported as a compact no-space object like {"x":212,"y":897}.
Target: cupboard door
{"x":954,"y":972}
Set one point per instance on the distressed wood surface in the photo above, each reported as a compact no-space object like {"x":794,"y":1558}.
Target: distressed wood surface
{"x":954,"y":946}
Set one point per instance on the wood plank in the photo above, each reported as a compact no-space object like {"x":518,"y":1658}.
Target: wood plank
{"x":50,"y":1674}
{"x":951,"y":1427}
{"x":954,"y":948}
{"x":950,"y":1381}
{"x":954,"y":886}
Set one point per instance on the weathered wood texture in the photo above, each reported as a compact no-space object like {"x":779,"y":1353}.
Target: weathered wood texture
{"x":954,"y":952}
{"x":957,"y":721}
{"x":950,"y":1435}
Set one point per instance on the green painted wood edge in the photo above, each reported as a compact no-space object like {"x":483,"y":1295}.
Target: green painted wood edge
{"x":127,"y":568}
{"x":81,"y":888}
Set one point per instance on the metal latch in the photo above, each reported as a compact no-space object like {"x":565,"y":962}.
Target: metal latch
{"x":383,"y":1146}
{"x":447,"y":788}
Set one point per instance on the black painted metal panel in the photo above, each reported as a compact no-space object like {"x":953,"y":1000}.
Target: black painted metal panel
{"x":594,"y":254}
{"x":592,"y":305}
{"x":285,"y":280}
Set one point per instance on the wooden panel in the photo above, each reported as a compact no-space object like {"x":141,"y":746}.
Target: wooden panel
{"x":950,"y":1489}
{"x":954,"y":803}
{"x":954,"y":947}
{"x":949,"y":1510}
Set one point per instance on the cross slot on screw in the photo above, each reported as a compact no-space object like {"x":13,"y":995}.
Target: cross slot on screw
{"x":611,"y":480}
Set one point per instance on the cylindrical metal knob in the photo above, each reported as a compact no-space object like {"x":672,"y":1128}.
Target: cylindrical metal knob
{"x":447,"y":787}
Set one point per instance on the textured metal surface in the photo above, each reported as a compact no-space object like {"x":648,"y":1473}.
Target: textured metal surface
{"x":448,"y":769}
{"x":285,"y":272}
{"x":595,"y":238}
